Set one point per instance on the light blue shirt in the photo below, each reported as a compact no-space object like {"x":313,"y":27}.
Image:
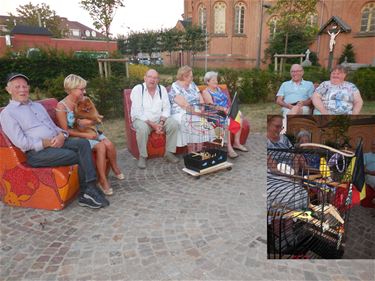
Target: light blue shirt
{"x":26,"y":125}
{"x":293,"y":92}
{"x":369,"y":161}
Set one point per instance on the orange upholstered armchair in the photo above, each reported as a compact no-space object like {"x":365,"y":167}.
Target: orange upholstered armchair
{"x":42,"y":188}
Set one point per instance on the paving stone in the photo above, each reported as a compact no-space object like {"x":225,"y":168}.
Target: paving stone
{"x":163,"y":224}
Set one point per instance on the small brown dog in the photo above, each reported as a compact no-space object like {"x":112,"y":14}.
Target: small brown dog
{"x":85,"y":109}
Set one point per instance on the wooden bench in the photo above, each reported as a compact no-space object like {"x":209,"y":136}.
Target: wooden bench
{"x":159,"y":152}
{"x":42,"y":188}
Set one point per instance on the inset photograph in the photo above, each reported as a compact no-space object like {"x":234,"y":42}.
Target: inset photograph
{"x":320,"y":187}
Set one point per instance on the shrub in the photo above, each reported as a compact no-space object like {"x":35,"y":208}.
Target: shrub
{"x":230,"y":77}
{"x":137,"y":71}
{"x":347,"y":53}
{"x":257,"y":86}
{"x":364,"y":79}
{"x":55,"y":87}
{"x":107,"y":94}
{"x":315,"y":74}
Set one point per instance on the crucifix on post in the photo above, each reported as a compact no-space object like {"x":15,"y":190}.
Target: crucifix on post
{"x":333,"y":27}
{"x":333,"y":32}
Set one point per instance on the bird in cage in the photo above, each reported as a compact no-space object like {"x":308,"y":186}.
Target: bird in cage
{"x":324,"y":169}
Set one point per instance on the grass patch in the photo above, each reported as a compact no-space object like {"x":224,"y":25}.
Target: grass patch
{"x":114,"y":129}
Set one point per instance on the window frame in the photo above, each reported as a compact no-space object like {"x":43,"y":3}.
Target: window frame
{"x":239,"y":15}
{"x":202,"y":22}
{"x":215,"y":32}
{"x":369,"y":20}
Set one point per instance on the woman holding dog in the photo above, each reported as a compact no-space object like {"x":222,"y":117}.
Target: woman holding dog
{"x":75,"y":87}
{"x":213,"y":94}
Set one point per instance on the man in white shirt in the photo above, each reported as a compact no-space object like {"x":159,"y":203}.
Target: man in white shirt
{"x":150,"y":111}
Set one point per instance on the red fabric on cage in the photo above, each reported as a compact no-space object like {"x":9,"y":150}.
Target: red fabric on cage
{"x":370,"y":195}
{"x":342,"y":194}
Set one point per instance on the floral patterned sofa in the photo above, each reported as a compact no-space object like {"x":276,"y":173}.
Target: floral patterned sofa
{"x":41,"y":188}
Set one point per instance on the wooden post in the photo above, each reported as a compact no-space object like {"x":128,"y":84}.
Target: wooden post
{"x":109,"y":69}
{"x":330,"y":60}
{"x":275,"y":63}
{"x":105,"y":69}
{"x":100,"y":69}
{"x":127,"y":69}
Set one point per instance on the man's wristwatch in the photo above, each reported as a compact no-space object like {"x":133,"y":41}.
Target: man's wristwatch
{"x":65,"y":134}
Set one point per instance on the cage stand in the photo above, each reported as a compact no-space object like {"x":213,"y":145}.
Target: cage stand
{"x":225,"y":165}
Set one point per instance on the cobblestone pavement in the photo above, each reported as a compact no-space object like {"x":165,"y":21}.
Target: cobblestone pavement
{"x":166,"y":225}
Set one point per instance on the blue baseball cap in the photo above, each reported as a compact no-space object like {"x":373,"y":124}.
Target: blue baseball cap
{"x":15,"y":75}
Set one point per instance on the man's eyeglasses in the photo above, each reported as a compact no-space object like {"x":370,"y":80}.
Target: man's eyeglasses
{"x":280,"y":127}
{"x":81,"y":89}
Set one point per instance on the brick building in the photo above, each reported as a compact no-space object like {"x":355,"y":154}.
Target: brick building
{"x":234,"y":30}
{"x":78,"y":38}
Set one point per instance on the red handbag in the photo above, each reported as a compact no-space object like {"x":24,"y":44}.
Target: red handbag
{"x":156,"y":145}
{"x":156,"y":140}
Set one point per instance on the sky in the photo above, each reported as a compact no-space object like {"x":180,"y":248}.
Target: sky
{"x":137,"y":15}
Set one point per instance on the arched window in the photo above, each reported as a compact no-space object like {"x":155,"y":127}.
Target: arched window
{"x":202,"y":17}
{"x":219,"y":18}
{"x":273,"y":27}
{"x":368,"y":18}
{"x":239,"y":18}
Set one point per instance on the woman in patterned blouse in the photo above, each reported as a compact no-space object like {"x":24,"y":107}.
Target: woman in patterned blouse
{"x":185,"y":99}
{"x":337,"y":96}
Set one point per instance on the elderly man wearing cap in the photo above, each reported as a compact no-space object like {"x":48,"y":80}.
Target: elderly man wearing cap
{"x":30,"y":128}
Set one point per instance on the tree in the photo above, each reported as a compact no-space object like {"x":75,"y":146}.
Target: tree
{"x":102,"y":12}
{"x":292,"y":15}
{"x":194,"y":40}
{"x":348,"y":53}
{"x":150,"y":42}
{"x":299,"y":40}
{"x":37,"y":15}
{"x":170,"y":41}
{"x":131,"y":45}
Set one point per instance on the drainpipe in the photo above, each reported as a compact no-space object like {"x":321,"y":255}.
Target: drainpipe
{"x":321,"y":23}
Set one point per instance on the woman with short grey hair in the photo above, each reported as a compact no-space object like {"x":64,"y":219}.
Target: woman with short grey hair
{"x":209,"y":75}
{"x":303,"y":136}
{"x":214,"y":95}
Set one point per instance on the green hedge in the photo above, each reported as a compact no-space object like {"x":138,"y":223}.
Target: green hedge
{"x":258,"y":86}
{"x":48,"y":70}
{"x":364,"y":79}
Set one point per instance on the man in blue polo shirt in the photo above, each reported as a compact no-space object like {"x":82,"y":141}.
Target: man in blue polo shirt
{"x":294,"y":96}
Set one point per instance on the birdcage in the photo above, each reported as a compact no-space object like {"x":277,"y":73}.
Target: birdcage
{"x":204,"y":129}
{"x":308,"y":198}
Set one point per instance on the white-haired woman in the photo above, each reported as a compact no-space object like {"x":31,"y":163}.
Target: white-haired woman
{"x":213,"y":94}
{"x":75,"y":87}
{"x":310,"y":159}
